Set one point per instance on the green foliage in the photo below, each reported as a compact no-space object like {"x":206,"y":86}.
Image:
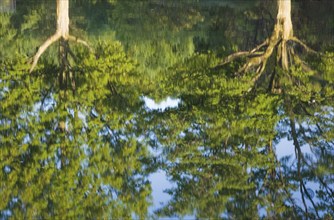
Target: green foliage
{"x":219,"y":143}
{"x":74,"y":141}
{"x":327,"y":67}
{"x":93,"y":166}
{"x":156,"y":34}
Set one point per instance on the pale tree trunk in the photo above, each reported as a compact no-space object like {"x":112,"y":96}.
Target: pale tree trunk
{"x":284,"y":18}
{"x":286,"y":31}
{"x":283,"y":32}
{"x":63,"y":20}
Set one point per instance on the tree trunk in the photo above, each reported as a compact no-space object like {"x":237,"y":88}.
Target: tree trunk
{"x":285,"y":28}
{"x":284,"y":18}
{"x":63,"y":20}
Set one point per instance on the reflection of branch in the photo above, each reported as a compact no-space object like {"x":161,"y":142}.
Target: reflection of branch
{"x":42,"y":48}
{"x":44,"y":97}
{"x":300,"y":158}
{"x":301,"y":184}
{"x":311,"y":200}
{"x":326,"y":187}
{"x":301,"y":190}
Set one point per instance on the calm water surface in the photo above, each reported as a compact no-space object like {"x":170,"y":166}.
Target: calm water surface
{"x":147,"y":123}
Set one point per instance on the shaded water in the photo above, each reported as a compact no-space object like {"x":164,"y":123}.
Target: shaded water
{"x":149,"y":125}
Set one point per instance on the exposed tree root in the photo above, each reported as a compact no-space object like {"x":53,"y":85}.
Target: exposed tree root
{"x":252,"y":53}
{"x":62,"y":33}
{"x":257,"y":58}
{"x":42,"y":49}
{"x":50,"y":41}
{"x":309,"y":50}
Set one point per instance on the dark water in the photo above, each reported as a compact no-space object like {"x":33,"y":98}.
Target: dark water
{"x":148,"y":124}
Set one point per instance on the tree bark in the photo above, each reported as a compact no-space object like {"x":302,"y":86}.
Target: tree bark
{"x":284,"y":18}
{"x":63,"y":20}
{"x":285,"y":28}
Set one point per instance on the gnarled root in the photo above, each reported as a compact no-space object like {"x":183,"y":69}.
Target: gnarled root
{"x":251,"y":53}
{"x":257,"y":59}
{"x":42,"y":49}
{"x":50,"y":41}
{"x":308,"y":49}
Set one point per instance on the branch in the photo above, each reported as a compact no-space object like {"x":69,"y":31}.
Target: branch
{"x":311,"y":200}
{"x":303,"y":45}
{"x":259,"y":72}
{"x":236,"y":55}
{"x":257,"y":61}
{"x":42,"y":49}
{"x":254,"y":54}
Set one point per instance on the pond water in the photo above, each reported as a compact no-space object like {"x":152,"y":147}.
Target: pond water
{"x":143,"y":113}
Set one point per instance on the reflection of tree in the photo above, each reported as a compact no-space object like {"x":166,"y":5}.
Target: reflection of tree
{"x":311,"y":126}
{"x":220,"y":142}
{"x":218,"y":159}
{"x":82,"y":152}
{"x":219,"y":145}
{"x":280,"y":40}
{"x":92,"y":166}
